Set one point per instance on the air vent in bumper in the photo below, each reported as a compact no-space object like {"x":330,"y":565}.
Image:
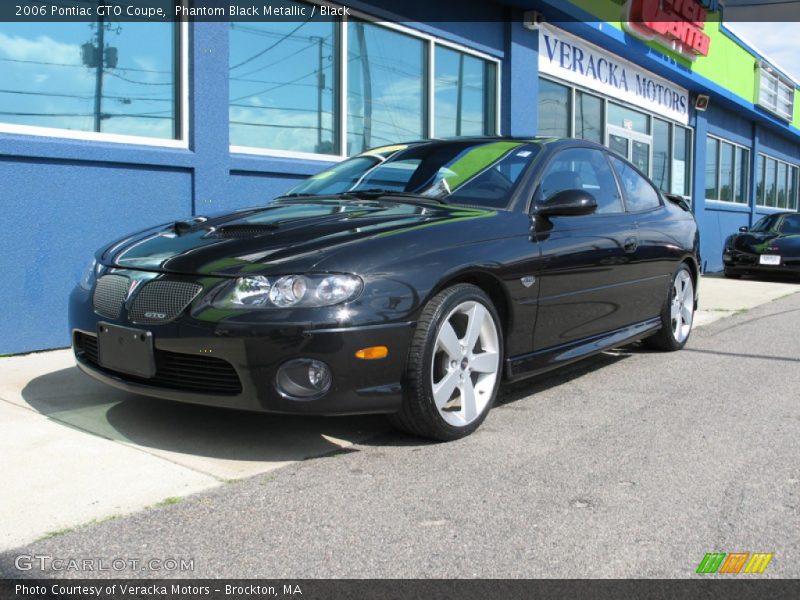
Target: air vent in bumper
{"x":177,"y":371}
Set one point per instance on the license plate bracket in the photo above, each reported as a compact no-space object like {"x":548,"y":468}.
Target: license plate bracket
{"x":769,"y":259}
{"x":126,"y":349}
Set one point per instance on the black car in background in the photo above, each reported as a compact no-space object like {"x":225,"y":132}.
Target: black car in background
{"x":771,"y":246}
{"x":409,"y":280}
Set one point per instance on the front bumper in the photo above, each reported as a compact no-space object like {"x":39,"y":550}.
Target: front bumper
{"x":235,"y":365}
{"x":737,"y":262}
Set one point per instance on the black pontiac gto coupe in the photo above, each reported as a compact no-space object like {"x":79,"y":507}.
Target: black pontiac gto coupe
{"x":770,"y":247}
{"x":408,"y":280}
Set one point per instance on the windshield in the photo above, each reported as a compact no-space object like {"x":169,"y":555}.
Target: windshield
{"x":475,"y":173}
{"x":765,"y":224}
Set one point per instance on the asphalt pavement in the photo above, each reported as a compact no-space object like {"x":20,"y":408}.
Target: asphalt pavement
{"x":630,"y":464}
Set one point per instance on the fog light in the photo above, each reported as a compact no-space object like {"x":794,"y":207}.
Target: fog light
{"x":304,"y":379}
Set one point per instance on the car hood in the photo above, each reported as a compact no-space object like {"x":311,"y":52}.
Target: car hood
{"x":285,"y":236}
{"x":766,"y":242}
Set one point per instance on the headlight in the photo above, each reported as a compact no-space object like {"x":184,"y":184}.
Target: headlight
{"x":289,"y":290}
{"x":87,"y":279}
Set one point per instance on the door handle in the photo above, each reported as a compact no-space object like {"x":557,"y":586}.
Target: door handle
{"x":630,"y":244}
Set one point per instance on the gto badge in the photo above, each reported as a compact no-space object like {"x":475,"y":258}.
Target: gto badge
{"x":155,"y":315}
{"x":528,"y":280}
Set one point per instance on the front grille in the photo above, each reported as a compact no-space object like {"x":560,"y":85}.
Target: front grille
{"x":109,"y":294}
{"x":173,"y":370}
{"x":162,"y":300}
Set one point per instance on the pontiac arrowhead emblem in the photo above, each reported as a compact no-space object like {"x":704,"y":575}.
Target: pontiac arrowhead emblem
{"x":134,"y":284}
{"x":528,"y":280}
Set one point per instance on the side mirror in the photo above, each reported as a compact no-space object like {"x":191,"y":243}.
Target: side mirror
{"x":744,"y":229}
{"x":568,"y":203}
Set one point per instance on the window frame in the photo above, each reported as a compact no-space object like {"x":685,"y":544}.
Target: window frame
{"x":737,"y":149}
{"x":181,"y":80}
{"x":430,"y":42}
{"x":792,"y":204}
{"x":767,"y":76}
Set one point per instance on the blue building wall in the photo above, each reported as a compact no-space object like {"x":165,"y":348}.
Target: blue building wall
{"x":61,"y":199}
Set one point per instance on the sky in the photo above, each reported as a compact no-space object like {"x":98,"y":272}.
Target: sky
{"x":778,"y":42}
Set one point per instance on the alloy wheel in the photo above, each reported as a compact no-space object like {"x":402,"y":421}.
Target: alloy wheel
{"x":465,"y":363}
{"x":682,"y":307}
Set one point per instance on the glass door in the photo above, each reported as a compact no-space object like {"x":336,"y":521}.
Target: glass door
{"x":636,"y":147}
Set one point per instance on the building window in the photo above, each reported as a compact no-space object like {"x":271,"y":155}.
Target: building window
{"x":588,"y":117}
{"x":627,"y":118}
{"x":776,"y":183}
{"x":109,"y":78}
{"x":712,"y":168}
{"x":681,"y":154}
{"x":661,"y":145}
{"x":770,"y":181}
{"x":385,"y":86}
{"x":292,"y":90}
{"x":554,"y":109}
{"x":284,"y":86}
{"x":466,"y":89}
{"x":727,"y":171}
{"x":775,"y":93}
{"x":742,"y":173}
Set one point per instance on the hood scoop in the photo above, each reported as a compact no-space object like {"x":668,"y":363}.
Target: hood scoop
{"x":182,"y":227}
{"x":241,"y":231}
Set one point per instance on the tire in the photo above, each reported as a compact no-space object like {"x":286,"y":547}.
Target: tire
{"x":677,"y":313}
{"x":454,"y":366}
{"x":730,"y":275}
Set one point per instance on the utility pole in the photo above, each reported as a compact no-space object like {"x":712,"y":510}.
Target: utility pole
{"x":460,"y":93}
{"x":320,"y":88}
{"x":367,"y":82}
{"x":98,"y":78}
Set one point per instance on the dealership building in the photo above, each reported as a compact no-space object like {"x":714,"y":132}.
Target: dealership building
{"x":109,"y":127}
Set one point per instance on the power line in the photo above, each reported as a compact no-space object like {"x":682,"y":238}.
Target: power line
{"x":280,"y":60}
{"x":82,"y":97}
{"x":80,"y":66}
{"x":258,"y":54}
{"x":273,"y":34}
{"x":281,"y":126}
{"x":118,"y":76}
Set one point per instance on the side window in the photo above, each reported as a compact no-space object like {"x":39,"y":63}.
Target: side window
{"x":639,"y":193}
{"x":582,"y":169}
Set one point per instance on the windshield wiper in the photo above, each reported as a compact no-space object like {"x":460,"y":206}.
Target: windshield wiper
{"x":375,"y":193}
{"x":295,"y":195}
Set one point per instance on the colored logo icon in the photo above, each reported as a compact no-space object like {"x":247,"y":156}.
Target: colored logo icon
{"x":734,"y":563}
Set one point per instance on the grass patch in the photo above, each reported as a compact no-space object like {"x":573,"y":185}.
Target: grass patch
{"x":169,"y":501}
{"x":56,"y":533}
{"x":104,"y":520}
{"x":66,"y":530}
